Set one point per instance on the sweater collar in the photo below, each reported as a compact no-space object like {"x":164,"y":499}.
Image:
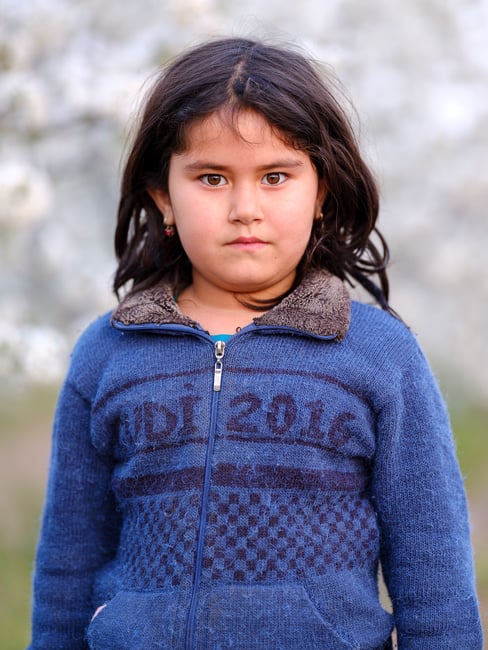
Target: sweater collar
{"x":320,"y":306}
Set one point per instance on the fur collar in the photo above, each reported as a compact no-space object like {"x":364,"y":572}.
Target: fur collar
{"x":319,"y":306}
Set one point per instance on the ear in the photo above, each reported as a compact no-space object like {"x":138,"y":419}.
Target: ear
{"x":321,"y":196}
{"x":163,"y":203}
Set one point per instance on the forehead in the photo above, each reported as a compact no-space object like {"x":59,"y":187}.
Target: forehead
{"x":245,"y":128}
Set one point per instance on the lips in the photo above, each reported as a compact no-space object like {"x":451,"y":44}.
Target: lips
{"x":247,"y":243}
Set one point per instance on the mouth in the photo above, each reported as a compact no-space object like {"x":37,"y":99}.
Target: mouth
{"x":247,"y":243}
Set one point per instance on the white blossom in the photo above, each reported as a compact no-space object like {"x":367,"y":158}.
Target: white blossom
{"x":73,"y":73}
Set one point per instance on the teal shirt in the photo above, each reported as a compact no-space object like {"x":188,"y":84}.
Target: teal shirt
{"x":221,"y":337}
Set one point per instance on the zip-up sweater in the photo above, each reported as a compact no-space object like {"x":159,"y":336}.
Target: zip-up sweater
{"x":242,"y":495}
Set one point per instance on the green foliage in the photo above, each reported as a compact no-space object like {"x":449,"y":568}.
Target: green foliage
{"x":16,"y":561}
{"x":25,"y":423}
{"x":24,"y":409}
{"x":470,"y":427}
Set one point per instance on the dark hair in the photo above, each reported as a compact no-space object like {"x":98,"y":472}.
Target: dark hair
{"x":286,"y":89}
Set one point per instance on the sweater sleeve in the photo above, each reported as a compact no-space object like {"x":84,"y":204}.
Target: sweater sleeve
{"x":78,"y":532}
{"x":422,"y":512}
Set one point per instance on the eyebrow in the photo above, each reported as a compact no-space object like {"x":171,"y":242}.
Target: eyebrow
{"x":283,"y":163}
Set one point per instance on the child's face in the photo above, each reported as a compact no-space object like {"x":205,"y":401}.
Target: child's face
{"x":243,"y":204}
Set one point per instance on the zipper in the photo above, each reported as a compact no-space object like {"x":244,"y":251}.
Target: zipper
{"x":219,"y":354}
{"x":219,"y":350}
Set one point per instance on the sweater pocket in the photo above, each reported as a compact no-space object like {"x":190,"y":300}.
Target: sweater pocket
{"x":265,"y":618}
{"x":138,"y":621}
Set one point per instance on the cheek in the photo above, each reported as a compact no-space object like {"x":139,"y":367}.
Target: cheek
{"x":190,"y":216}
{"x":196,"y":232}
{"x":197,"y":238}
{"x":295,"y":242}
{"x":298,"y":229}
{"x":303,"y":237}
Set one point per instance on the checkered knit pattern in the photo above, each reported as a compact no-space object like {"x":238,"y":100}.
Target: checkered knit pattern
{"x":247,"y":540}
{"x":255,"y":517}
{"x":171,"y":524}
{"x":285,"y":538}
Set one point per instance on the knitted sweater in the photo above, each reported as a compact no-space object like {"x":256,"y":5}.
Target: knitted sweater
{"x":242,"y":496}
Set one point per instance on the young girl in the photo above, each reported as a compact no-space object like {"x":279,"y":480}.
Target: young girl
{"x":238,"y":446}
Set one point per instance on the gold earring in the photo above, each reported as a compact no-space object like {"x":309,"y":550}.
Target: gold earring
{"x":169,"y":230}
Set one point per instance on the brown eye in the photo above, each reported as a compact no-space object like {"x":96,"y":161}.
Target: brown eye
{"x":213,"y":179}
{"x":274,"y":178}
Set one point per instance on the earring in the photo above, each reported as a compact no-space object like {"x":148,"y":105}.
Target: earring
{"x":169,"y":230}
{"x":319,"y":217}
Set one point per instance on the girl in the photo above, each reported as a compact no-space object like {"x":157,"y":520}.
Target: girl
{"x":239,"y":445}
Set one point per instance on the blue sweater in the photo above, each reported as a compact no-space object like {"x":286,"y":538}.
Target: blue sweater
{"x":242,"y":495}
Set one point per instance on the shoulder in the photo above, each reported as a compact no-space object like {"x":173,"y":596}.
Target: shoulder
{"x":388,"y":353}
{"x":92,"y":351}
{"x":99,"y":334}
{"x":381,"y":336}
{"x":375,"y":324}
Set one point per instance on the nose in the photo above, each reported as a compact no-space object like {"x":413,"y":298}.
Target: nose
{"x":245,"y":203}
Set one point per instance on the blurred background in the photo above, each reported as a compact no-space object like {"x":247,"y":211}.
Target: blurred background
{"x":72,"y":73}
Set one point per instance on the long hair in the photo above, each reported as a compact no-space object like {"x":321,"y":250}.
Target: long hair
{"x":296,"y":100}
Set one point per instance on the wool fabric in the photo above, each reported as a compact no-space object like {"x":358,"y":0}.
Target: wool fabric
{"x":243,"y":495}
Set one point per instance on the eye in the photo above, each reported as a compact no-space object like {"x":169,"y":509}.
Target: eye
{"x":274,"y":178}
{"x":214,"y":180}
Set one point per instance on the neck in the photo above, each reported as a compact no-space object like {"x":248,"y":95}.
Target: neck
{"x":216,"y":313}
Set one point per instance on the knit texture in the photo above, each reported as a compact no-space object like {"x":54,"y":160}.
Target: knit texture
{"x":254,"y":517}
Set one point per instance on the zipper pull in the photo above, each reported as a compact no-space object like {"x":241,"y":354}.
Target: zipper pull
{"x":219,"y":353}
